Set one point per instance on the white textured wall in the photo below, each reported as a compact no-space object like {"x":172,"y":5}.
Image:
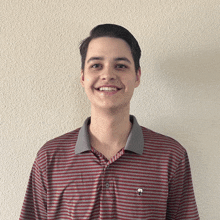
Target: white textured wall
{"x":41,"y":98}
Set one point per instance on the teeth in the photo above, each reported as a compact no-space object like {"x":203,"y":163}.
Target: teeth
{"x":107,"y":89}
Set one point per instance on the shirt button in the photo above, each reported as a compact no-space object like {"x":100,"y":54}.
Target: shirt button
{"x":107,"y":185}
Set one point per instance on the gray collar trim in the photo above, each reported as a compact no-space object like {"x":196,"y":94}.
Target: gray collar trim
{"x":135,"y":141}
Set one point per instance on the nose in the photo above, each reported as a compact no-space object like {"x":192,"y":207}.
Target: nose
{"x":108,"y":73}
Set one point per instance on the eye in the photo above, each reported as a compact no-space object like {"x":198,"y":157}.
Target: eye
{"x":121,"y":66}
{"x":96,"y":66}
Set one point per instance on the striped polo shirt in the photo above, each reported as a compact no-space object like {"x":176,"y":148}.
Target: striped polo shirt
{"x":149,"y":178}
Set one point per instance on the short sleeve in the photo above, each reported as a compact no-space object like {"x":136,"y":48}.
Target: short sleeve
{"x":181,"y":199}
{"x":35,"y":204}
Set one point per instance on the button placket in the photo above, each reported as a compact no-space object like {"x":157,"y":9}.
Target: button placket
{"x":106,"y":182}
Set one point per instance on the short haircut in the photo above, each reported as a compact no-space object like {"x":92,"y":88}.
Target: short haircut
{"x":115,"y":31}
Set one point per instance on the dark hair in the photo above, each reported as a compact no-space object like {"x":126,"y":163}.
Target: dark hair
{"x":116,"y":31}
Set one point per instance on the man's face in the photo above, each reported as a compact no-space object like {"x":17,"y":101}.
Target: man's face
{"x":109,"y":75}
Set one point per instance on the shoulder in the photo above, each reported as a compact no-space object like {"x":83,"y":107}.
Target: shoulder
{"x":62,"y":145}
{"x":163,"y":152}
{"x":162,"y":144}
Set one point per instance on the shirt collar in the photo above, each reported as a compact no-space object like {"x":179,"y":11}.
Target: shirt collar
{"x":135,"y":141}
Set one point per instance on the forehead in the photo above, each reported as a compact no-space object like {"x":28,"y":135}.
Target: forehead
{"x":109,"y":47}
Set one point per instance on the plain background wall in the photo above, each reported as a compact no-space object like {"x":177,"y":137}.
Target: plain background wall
{"x":41,"y":97}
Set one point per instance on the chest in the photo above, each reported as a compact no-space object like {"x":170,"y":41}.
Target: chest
{"x":97,"y":188}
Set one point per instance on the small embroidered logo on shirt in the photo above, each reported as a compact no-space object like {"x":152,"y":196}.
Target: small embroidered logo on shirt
{"x":140,"y":191}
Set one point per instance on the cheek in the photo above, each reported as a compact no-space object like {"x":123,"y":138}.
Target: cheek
{"x":130,"y":82}
{"x":87,"y":79}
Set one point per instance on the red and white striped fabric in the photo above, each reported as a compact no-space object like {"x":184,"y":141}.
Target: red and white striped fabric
{"x":154,"y":183}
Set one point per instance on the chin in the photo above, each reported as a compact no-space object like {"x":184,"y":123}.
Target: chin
{"x":115,"y":107}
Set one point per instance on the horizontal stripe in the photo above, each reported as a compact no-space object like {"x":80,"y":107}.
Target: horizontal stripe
{"x":63,"y":185}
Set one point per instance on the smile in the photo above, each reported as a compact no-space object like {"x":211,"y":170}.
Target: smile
{"x":108,"y":88}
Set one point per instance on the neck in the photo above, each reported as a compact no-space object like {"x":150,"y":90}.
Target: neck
{"x":109,"y":131}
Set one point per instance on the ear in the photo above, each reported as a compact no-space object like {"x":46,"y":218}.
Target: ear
{"x":138,"y":78}
{"x":82,"y":78}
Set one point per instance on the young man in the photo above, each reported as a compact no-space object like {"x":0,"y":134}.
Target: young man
{"x":111,"y":168}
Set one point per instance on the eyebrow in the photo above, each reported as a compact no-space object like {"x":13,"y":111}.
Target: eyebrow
{"x":116,"y":59}
{"x":123,"y":59}
{"x":95,"y":58}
